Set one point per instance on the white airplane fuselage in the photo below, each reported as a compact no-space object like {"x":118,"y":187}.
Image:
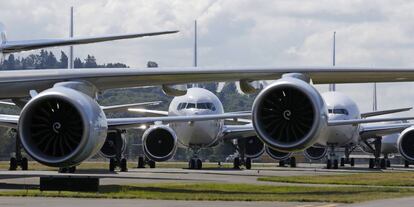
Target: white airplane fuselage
{"x":341,"y":107}
{"x":197,"y":101}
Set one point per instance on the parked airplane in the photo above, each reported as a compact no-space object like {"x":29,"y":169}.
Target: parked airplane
{"x":62,"y":124}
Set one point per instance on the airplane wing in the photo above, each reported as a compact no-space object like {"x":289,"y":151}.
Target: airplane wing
{"x":367,"y":132}
{"x":18,"y":46}
{"x":364,"y":121}
{"x":9,"y":121}
{"x":238,"y":131}
{"x":383,"y":112}
{"x":16,"y":84}
{"x":124,"y":123}
{"x":149,"y":112}
{"x":127,"y":106}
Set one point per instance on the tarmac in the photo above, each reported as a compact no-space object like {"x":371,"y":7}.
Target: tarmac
{"x":13,"y":180}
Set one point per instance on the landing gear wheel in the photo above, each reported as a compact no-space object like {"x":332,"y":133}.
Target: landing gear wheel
{"x":328,"y":164}
{"x":281,"y":163}
{"x":111,"y":165}
{"x":292,"y":162}
{"x":236,"y":163}
{"x":388,"y":163}
{"x":371,"y":163}
{"x":352,"y":162}
{"x":63,"y":170}
{"x":191,"y":164}
{"x":13,"y":164}
{"x":248,"y":163}
{"x":335,"y":164}
{"x":383,"y":164}
{"x":71,"y":169}
{"x":151,"y":163}
{"x":199,"y":164}
{"x":141,"y":162}
{"x":406,"y":164}
{"x":342,"y":162}
{"x":124,"y":165}
{"x":25,"y":164}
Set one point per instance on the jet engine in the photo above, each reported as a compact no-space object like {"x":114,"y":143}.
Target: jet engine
{"x":315,"y":153}
{"x":405,"y":144}
{"x":254,"y":148}
{"x":115,"y":144}
{"x":159,"y":142}
{"x":289,"y":115}
{"x":278,"y":155}
{"x":61,"y":127}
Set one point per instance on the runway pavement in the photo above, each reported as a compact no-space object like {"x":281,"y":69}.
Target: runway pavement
{"x":12,"y":180}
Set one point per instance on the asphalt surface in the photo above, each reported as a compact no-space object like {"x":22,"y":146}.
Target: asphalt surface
{"x":13,"y":180}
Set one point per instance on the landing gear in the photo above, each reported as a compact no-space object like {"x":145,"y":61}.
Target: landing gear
{"x":195,"y":163}
{"x":291,"y":161}
{"x":19,"y":160}
{"x":236,"y":163}
{"x":347,"y":160}
{"x":122,"y":164}
{"x":67,"y":169}
{"x":142,"y":161}
{"x":248,"y":163}
{"x":241,"y":160}
{"x":406,"y":164}
{"x":377,"y":161}
{"x":332,"y":161}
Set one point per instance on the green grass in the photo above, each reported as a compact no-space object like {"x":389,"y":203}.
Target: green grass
{"x":371,"y":179}
{"x":231,"y":192}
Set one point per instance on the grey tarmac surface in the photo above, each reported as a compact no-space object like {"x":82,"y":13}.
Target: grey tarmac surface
{"x":12,"y":180}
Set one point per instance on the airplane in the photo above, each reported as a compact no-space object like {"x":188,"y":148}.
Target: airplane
{"x":79,"y":127}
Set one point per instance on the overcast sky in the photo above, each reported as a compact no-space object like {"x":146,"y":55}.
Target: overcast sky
{"x":236,"y":33}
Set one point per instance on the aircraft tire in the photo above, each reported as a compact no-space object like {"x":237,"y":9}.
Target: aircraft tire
{"x":292,"y":162}
{"x":248,"y":163}
{"x":124,"y":165}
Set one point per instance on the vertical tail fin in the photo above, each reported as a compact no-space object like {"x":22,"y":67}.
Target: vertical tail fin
{"x":332,"y":86}
{"x":70,"y":61}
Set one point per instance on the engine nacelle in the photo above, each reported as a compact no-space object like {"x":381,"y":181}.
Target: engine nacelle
{"x":405,"y":144}
{"x":115,"y":144}
{"x":315,"y":153}
{"x":278,"y":155}
{"x":159,"y":143}
{"x":289,"y":115}
{"x":254,"y":148}
{"x":62,"y":127}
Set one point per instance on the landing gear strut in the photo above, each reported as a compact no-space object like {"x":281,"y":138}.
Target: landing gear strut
{"x":290,"y":160}
{"x":332,"y":161}
{"x":195,"y":162}
{"x":347,"y":159}
{"x":241,"y":160}
{"x":18,"y":160}
{"x":380,"y":163}
{"x":142,"y":161}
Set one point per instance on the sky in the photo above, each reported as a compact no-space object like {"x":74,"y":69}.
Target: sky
{"x":236,"y":33}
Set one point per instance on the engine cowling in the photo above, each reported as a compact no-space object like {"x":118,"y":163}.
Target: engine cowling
{"x":159,"y":143}
{"x":278,"y":155}
{"x":254,"y":148}
{"x":405,"y":144}
{"x":115,"y":143}
{"x":289,"y":115}
{"x":62,"y":127}
{"x":315,"y":153}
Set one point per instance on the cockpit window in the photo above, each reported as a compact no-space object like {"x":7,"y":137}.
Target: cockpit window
{"x":338,"y":111}
{"x":202,"y":105}
{"x":191,"y":106}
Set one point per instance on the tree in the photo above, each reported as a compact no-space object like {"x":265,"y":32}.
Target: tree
{"x":77,"y":63}
{"x":63,"y":60}
{"x":90,"y":62}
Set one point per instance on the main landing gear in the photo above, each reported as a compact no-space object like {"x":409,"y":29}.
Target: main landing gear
{"x":347,"y":159}
{"x":18,"y":160}
{"x":67,"y":169}
{"x":142,"y":161}
{"x":377,"y":161}
{"x":291,"y":161}
{"x":332,"y":161}
{"x":241,"y":160}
